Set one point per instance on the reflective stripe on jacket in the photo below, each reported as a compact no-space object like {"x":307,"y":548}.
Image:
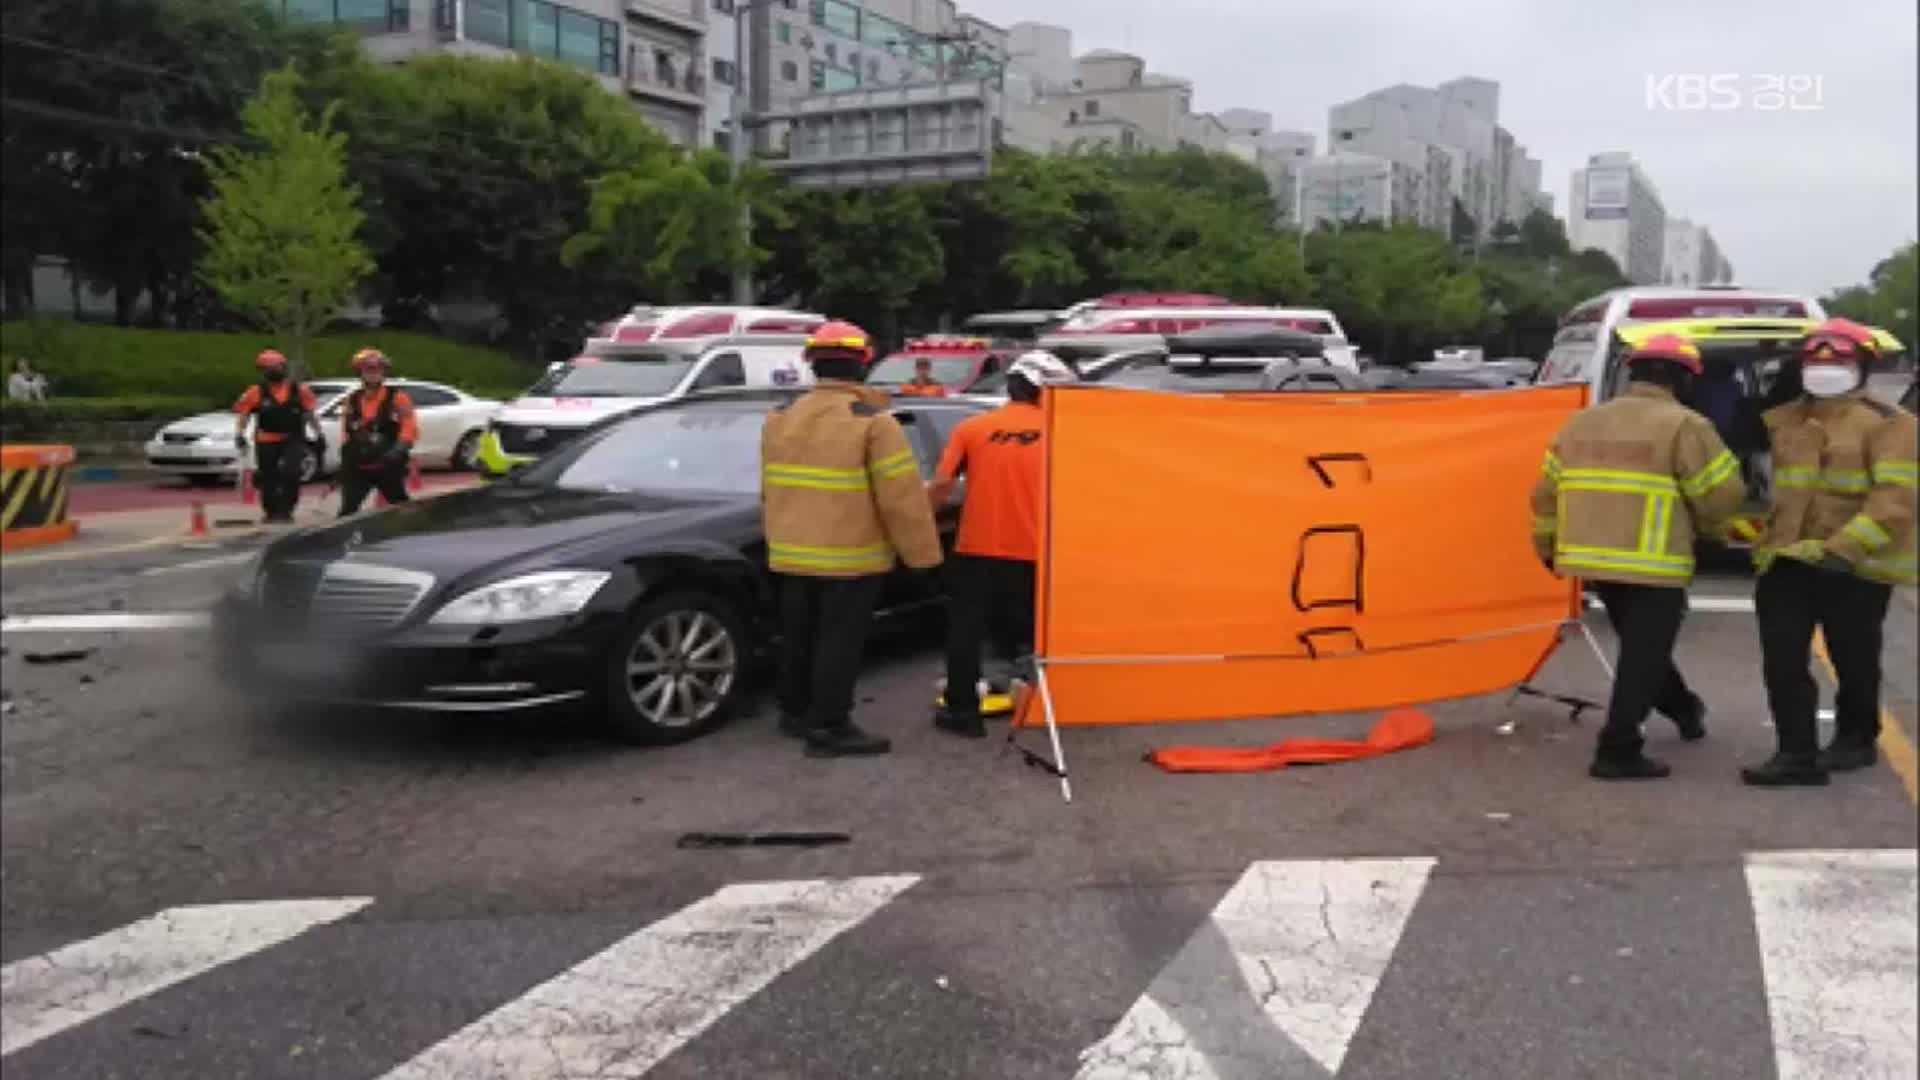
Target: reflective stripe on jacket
{"x":1844,"y":479}
{"x":1628,"y":485}
{"x":840,"y":488}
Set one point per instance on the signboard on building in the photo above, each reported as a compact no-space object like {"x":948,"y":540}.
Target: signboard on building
{"x":880,"y":136}
{"x":1608,"y":193}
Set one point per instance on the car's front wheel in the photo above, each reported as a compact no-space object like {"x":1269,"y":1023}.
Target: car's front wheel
{"x":466,"y":452}
{"x":677,"y":669}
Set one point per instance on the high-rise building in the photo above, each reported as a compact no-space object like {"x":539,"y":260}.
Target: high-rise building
{"x":1614,"y":207}
{"x":1451,"y":133}
{"x":1279,"y":155}
{"x":1345,"y":188}
{"x":1692,"y":257}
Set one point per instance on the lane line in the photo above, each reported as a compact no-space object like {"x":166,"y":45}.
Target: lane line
{"x":1276,"y":981}
{"x":102,"y":622}
{"x":1896,"y":748}
{"x":198,"y":564}
{"x":1841,"y":957}
{"x":47,"y":994}
{"x":622,"y":1011}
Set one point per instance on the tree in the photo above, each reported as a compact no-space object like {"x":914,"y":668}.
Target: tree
{"x":1889,"y":299}
{"x":282,"y":225}
{"x":1543,"y":236}
{"x":666,"y":223}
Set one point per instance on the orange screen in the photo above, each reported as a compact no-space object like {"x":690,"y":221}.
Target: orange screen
{"x":1214,"y":557}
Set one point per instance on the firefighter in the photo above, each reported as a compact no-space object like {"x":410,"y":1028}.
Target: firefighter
{"x":990,"y":580}
{"x":923,"y":384}
{"x":1839,"y":536}
{"x":282,"y":411}
{"x":1624,"y":491}
{"x":378,"y":430}
{"x":842,"y":503}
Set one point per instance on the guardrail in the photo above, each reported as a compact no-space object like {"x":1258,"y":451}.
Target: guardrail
{"x":33,"y":496}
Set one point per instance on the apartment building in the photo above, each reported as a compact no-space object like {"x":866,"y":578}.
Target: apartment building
{"x":1452,"y":132}
{"x":1114,"y":100}
{"x":1279,"y":155}
{"x":651,"y":52}
{"x":1691,"y":257}
{"x":1614,"y":207}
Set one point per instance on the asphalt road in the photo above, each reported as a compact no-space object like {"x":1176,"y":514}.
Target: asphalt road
{"x":472,"y":897}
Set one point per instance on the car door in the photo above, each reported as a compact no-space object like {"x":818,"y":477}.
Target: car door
{"x":927,"y":435}
{"x":438,"y":411}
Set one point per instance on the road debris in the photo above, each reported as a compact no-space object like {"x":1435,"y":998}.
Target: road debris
{"x":778,"y":839}
{"x":63,"y":656}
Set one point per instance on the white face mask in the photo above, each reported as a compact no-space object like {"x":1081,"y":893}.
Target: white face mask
{"x":1830,"y":380}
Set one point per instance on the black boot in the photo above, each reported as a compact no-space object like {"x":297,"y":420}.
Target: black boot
{"x":845,"y":740}
{"x":1785,"y":770}
{"x":1693,"y":725}
{"x":1626,"y":767}
{"x":967,"y":725}
{"x":1847,"y":756}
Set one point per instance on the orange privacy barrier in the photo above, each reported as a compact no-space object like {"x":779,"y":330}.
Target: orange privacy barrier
{"x":1215,"y":557}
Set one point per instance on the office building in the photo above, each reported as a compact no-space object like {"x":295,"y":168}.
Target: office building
{"x":651,"y":52}
{"x":1614,"y":207}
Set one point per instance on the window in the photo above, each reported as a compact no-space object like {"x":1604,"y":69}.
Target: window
{"x":841,"y":18}
{"x":873,"y":70}
{"x":853,"y":60}
{"x":428,"y":397}
{"x":310,"y":10}
{"x":724,"y":7}
{"x":536,"y":27}
{"x":488,"y":21}
{"x":817,"y":75}
{"x":723,"y":72}
{"x":722,"y":370}
{"x":838,"y":79}
{"x":883,"y":32}
{"x":1093,"y":108}
{"x":833,"y":54}
{"x":704,"y":446}
{"x":579,"y":35}
{"x":784,"y":31}
{"x":542,"y":29}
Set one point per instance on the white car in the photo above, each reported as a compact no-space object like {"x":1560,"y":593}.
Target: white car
{"x":451,"y":424}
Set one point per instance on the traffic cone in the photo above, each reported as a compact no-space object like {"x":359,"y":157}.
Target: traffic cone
{"x":197,"y":522}
{"x":248,"y":496}
{"x":414,"y":482}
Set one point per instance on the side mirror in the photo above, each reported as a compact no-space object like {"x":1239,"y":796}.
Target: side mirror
{"x":555,"y":366}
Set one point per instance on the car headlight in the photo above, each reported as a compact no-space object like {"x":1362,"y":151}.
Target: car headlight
{"x":546,"y":595}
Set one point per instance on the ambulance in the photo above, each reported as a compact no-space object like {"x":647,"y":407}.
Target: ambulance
{"x":648,"y":356}
{"x":1120,"y":321}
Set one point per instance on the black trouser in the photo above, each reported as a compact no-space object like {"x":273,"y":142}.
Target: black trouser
{"x":1791,"y":599}
{"x":823,"y":635}
{"x":355,"y":482}
{"x":1647,"y":620}
{"x":276,"y":475}
{"x":986,"y":599}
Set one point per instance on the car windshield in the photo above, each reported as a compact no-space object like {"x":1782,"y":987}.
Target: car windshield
{"x":994,"y":382}
{"x":639,"y":376}
{"x":709,"y":449}
{"x":1191,"y":379}
{"x":951,"y":370}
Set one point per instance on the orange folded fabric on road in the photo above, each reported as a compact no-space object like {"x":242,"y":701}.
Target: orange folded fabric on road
{"x":1400,"y":729}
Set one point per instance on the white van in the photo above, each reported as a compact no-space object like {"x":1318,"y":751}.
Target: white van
{"x":1144,"y":320}
{"x":1580,"y":348}
{"x":612,"y":377}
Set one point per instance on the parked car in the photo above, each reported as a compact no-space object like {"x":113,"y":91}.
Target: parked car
{"x":451,"y":423}
{"x":959,"y":364}
{"x":624,"y":571}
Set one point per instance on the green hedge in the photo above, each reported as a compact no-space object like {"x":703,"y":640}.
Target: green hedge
{"x":82,"y":360}
{"x":22,"y":421}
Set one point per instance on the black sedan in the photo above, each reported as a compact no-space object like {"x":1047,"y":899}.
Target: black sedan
{"x":625,"y":573}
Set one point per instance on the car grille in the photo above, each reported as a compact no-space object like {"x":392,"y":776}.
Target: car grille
{"x":175,"y":438}
{"x":341,"y":597}
{"x":533,"y":438}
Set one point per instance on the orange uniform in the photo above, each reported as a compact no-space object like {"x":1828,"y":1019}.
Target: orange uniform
{"x":251,"y":402}
{"x":924,"y":389}
{"x":1002,"y":454}
{"x":370,"y":404}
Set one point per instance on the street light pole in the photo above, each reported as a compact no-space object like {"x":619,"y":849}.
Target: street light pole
{"x":737,"y":149}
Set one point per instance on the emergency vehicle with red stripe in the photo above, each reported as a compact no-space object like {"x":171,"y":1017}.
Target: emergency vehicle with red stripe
{"x":1120,"y":321}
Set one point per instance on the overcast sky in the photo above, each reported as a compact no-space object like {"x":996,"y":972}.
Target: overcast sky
{"x":1806,"y":200}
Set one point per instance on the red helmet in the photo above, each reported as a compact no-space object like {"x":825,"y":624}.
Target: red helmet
{"x":269,"y":359}
{"x":1840,"y":341}
{"x":839,"y":340}
{"x":1671,"y":348}
{"x":367,"y":358}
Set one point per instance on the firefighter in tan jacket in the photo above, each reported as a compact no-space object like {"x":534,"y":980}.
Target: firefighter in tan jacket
{"x":843,"y":504}
{"x":1839,"y":537}
{"x":1625,"y":490}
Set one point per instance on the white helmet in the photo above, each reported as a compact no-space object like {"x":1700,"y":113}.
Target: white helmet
{"x":1041,"y":368}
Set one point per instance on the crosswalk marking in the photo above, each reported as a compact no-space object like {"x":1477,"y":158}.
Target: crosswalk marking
{"x":1840,"y":953}
{"x":1275,"y":982}
{"x":624,"y":1010}
{"x":47,"y":994}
